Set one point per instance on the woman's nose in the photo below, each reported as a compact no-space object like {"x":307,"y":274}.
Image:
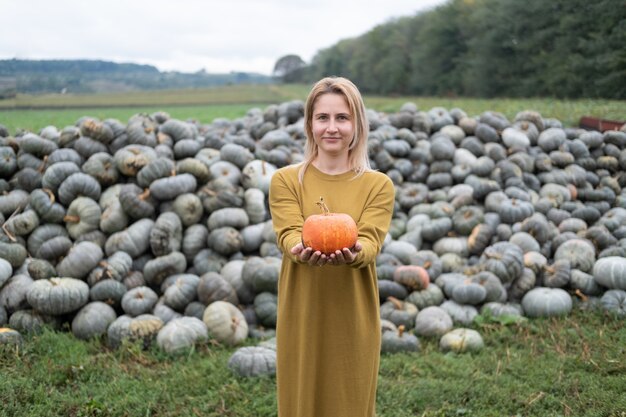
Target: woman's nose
{"x":331,"y":125}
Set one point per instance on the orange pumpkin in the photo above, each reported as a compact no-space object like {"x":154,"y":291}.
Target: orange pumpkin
{"x":329,"y":232}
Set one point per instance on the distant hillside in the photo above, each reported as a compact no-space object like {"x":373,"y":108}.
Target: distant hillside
{"x":87,"y":76}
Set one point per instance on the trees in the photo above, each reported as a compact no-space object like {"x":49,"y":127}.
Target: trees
{"x":289,"y":68}
{"x":490,"y":48}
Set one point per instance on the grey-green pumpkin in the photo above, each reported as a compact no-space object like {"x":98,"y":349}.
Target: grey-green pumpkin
{"x":10,"y":336}
{"x":181,"y":334}
{"x":432,"y":321}
{"x":92,"y":320}
{"x":399,"y":341}
{"x":614,"y":302}
{"x":611,"y":272}
{"x":213,"y":287}
{"x":166,"y":235}
{"x":546,"y":302}
{"x":80,"y":260}
{"x":138,"y":301}
{"x":180,"y":290}
{"x":226,"y":323}
{"x":57,"y":296}
{"x":400,"y":313}
{"x":461,"y":340}
{"x":265,"y":308}
{"x":253,"y":361}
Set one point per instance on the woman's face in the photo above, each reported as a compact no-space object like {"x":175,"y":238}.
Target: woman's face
{"x":333,"y":125}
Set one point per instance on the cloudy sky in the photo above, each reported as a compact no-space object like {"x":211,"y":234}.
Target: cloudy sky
{"x":189,"y":35}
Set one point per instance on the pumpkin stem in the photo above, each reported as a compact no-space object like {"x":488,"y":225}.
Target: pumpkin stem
{"x":13,"y":144}
{"x":581,"y":295}
{"x":263,"y":170}
{"x":400,"y":330}
{"x":146,"y":193}
{"x":206,"y":190}
{"x":106,"y":273}
{"x":8,"y":233}
{"x":71,"y":219}
{"x":396,"y":303}
{"x":50,"y":195}
{"x":234,"y":323}
{"x":162,"y":137}
{"x":173,"y":172}
{"x":323,"y":206}
{"x":42,"y":168}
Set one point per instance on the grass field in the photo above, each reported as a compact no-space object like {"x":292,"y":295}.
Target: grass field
{"x":572,"y":366}
{"x":32,"y":113}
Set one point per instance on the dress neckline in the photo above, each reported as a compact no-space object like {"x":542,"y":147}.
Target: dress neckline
{"x":330,"y":177}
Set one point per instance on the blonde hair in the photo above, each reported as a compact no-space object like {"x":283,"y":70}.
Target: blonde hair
{"x":358,"y":159}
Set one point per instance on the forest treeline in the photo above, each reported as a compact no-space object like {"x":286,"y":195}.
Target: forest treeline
{"x":489,"y":48}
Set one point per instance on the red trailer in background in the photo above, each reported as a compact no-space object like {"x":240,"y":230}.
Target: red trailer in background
{"x":601,"y":125}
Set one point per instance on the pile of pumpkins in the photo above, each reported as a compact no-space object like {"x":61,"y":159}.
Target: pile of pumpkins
{"x":159,"y":228}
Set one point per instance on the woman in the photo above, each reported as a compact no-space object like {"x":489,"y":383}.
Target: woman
{"x":328,"y":326}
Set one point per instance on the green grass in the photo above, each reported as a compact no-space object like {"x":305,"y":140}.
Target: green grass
{"x":233,"y":94}
{"x":204,"y":105}
{"x":572,"y":366}
{"x":35,"y":120}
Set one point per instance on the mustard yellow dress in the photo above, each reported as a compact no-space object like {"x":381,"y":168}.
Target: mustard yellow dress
{"x":328,"y":327}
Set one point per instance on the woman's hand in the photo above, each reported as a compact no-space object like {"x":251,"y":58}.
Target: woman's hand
{"x":345,"y":256}
{"x":316,"y":258}
{"x":309,"y":256}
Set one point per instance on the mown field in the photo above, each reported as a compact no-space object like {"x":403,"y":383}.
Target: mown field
{"x":572,"y":366}
{"x":204,"y":105}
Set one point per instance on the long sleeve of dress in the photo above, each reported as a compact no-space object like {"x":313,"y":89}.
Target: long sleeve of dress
{"x":287,"y":217}
{"x":374,"y":223}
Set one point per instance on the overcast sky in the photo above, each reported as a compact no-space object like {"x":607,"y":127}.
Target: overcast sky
{"x":189,"y":35}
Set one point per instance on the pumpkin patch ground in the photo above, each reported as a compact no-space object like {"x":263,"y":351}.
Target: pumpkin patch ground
{"x":144,"y":250}
{"x":572,"y":365}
